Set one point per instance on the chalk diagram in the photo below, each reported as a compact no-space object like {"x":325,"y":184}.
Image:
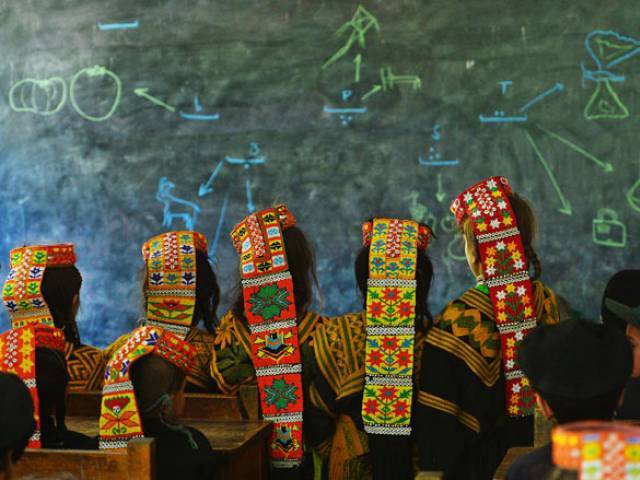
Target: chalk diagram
{"x":356,"y":30}
{"x":607,"y":49}
{"x":176,"y":208}
{"x":253,"y":158}
{"x":48,"y":96}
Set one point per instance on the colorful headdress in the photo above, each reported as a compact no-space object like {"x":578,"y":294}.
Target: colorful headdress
{"x":270,"y":309}
{"x":598,"y":450}
{"x":119,"y":417}
{"x":506,"y":273}
{"x":22,"y":292}
{"x":391,"y":305}
{"x":31,"y":320}
{"x":18,"y":356}
{"x":171,"y":279}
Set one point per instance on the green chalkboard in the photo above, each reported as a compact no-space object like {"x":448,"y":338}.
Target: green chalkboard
{"x":121,"y":119}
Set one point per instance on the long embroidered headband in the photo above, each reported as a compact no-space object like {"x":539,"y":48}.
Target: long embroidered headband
{"x":506,"y":272}
{"x":391,"y":303}
{"x":171,"y":279}
{"x":22,"y":292}
{"x":119,"y":416}
{"x":270,"y":309}
{"x":18,"y":356}
{"x":598,"y":450}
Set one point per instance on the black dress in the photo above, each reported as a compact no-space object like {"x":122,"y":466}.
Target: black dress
{"x":176,"y":457}
{"x":532,"y":466}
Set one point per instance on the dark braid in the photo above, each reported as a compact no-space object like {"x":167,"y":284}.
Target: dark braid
{"x":534,"y":261}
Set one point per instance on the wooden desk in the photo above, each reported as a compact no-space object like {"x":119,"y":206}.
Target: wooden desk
{"x":240,"y":445}
{"x":512,"y":455}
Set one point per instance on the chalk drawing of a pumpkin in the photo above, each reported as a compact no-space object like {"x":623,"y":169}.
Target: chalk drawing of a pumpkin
{"x":42,"y":97}
{"x":99,"y":78}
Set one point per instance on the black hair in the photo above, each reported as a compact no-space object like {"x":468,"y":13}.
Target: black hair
{"x":302,"y":266}
{"x":16,"y":419}
{"x":601,"y":407}
{"x":59,"y":286}
{"x":52,"y":379}
{"x":153,"y":377}
{"x":424,"y":277}
{"x":207,"y":293}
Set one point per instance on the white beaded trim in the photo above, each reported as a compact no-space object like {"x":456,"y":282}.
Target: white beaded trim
{"x":266,"y":326}
{"x":489,"y":237}
{"x":285,"y":417}
{"x":397,"y":381}
{"x":274,"y":277}
{"x":387,"y":430}
{"x":391,"y":282}
{"x":278,"y":370}
{"x":117,"y":387}
{"x":390,"y":331}
{"x":500,"y":281}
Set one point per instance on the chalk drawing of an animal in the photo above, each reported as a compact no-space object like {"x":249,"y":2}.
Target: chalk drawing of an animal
{"x":190,"y":210}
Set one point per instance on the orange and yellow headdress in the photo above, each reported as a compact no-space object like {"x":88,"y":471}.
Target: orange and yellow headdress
{"x":391,"y":305}
{"x":31,"y":320}
{"x":171,"y":279}
{"x":270,"y":309}
{"x":119,"y":417}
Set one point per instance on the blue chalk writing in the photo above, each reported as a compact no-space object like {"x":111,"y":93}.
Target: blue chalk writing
{"x":501,"y":117}
{"x":558,"y":87}
{"x":504,"y":85}
{"x":118,"y":26}
{"x":203,"y":117}
{"x":216,"y":238}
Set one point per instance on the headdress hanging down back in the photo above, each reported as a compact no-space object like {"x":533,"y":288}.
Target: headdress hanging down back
{"x":270,"y":309}
{"x":171,"y":279}
{"x":120,"y":419}
{"x":390,"y":321}
{"x":31,"y":320}
{"x":506,"y":272}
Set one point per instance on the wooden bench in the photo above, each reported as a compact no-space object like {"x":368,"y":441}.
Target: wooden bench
{"x":240,"y":445}
{"x":203,"y":406}
{"x":136,"y":462}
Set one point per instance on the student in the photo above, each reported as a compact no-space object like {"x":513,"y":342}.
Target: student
{"x":621,"y":309}
{"x":578,"y":370}
{"x":595,"y":450}
{"x":34,"y":349}
{"x":60,"y":288}
{"x":278,"y":271}
{"x":473,"y":402}
{"x":181,"y":292}
{"x":17,"y":422}
{"x":144,"y":394}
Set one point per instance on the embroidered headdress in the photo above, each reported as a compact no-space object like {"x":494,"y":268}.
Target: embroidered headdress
{"x":119,"y":417}
{"x":390,"y":323}
{"x":270,"y":309}
{"x":598,"y":450}
{"x":506,"y":273}
{"x":31,"y":320}
{"x":171,"y":279}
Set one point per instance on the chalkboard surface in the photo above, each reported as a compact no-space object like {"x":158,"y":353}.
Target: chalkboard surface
{"x":122,"y":119}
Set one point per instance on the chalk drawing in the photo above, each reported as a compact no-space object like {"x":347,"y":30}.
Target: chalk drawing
{"x":216,"y":239}
{"x":97,"y":71}
{"x":500,"y":116}
{"x":203,"y":117}
{"x":42,"y":97}
{"x":346,"y":114}
{"x":606,"y":166}
{"x":144,"y":93}
{"x":188,"y":212}
{"x":633,"y":196}
{"x":608,"y":230}
{"x":118,"y":26}
{"x":434,"y":158}
{"x":389,"y":81}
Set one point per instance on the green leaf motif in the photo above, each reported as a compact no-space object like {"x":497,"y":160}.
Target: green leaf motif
{"x":269,"y":301}
{"x":280,"y":394}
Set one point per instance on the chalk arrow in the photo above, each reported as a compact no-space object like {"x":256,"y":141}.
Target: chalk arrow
{"x":206,"y":187}
{"x":606,"y":166}
{"x":144,"y":93}
{"x":558,"y":87}
{"x":358,"y":62}
{"x":440,"y":193}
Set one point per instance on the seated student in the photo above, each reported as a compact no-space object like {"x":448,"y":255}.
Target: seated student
{"x":143,"y":396}
{"x":34,"y":349}
{"x":621,"y":309}
{"x":17,"y":422}
{"x":578,"y":370}
{"x":194,"y":304}
{"x":60,"y":286}
{"x":474,"y":403}
{"x":595,"y":450}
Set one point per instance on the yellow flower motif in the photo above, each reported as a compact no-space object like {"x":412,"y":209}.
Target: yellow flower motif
{"x":511,"y":342}
{"x":500,"y":305}
{"x":513,"y":409}
{"x":525,"y":300}
{"x":509,"y":353}
{"x":496,"y":193}
{"x":502,"y":317}
{"x":490,"y":261}
{"x":482,"y":227}
{"x":491,"y":251}
{"x":27,"y":365}
{"x":524,"y":382}
{"x":528,"y":311}
{"x":511,"y":288}
{"x":507,"y":220}
{"x":516,"y":255}
{"x":512,"y":246}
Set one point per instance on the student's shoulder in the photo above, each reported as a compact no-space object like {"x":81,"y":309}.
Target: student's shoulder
{"x":533,"y":466}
